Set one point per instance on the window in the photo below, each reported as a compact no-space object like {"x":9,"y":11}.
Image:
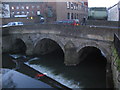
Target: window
{"x":68,"y":4}
{"x":22,"y":7}
{"x":68,"y":15}
{"x":12,"y":7}
{"x":17,"y":7}
{"x":33,"y":7}
{"x":82,"y":4}
{"x":27,"y":7}
{"x":18,"y":12}
{"x":38,"y":12}
{"x":72,"y":5}
{"x":23,"y":12}
{"x":72,"y":16}
{"x":27,"y":13}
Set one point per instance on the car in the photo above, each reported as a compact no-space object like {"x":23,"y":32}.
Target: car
{"x":13,"y":24}
{"x":74,"y":22}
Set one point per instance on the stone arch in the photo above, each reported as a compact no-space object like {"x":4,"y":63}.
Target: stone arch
{"x":103,"y":50}
{"x":19,"y":45}
{"x":107,"y":56}
{"x":57,"y":42}
{"x":69,"y":44}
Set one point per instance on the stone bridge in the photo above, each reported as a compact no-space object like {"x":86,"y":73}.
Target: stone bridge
{"x":44,"y":38}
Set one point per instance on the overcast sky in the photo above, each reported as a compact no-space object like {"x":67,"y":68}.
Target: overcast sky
{"x":102,"y":3}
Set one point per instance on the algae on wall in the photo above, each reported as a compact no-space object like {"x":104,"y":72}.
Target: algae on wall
{"x":117,"y":59}
{"x":116,"y":68}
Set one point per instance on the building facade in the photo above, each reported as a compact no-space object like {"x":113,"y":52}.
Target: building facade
{"x":24,"y":8}
{"x":51,"y":11}
{"x":72,"y":10}
{"x":114,"y":12}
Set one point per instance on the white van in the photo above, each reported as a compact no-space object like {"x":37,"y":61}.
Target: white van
{"x":13,"y":24}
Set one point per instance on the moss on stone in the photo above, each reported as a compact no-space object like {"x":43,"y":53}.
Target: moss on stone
{"x":118,"y":64}
{"x":117,"y":61}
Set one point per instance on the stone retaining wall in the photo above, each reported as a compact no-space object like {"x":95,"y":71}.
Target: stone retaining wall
{"x":103,"y":23}
{"x":115,"y":77}
{"x":116,"y":73}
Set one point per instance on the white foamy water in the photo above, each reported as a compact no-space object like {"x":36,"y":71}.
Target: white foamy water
{"x":59,"y":78}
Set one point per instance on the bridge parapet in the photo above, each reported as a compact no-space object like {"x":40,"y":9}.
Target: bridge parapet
{"x":106,"y":34}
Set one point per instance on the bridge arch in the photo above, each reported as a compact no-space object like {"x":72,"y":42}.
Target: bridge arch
{"x":47,"y":45}
{"x":19,"y":46}
{"x":103,"y":50}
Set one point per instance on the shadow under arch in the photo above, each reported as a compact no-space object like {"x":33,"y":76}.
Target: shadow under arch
{"x":91,"y":51}
{"x":19,"y":46}
{"x":103,"y":50}
{"x":47,"y":45}
{"x":96,"y":57}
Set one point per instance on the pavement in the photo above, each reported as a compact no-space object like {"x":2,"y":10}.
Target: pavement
{"x":104,"y":26}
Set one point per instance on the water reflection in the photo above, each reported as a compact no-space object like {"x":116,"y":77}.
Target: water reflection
{"x":88,"y":74}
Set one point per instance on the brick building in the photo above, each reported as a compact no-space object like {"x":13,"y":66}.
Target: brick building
{"x":25,"y":8}
{"x":71,"y":10}
{"x":51,"y":11}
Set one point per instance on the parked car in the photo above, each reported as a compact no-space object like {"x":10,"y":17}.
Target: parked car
{"x":74,"y":22}
{"x":13,"y":24}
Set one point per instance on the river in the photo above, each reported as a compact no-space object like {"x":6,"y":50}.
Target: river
{"x":90,"y":73}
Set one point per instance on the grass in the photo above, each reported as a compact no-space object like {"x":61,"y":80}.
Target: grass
{"x":118,"y":64}
{"x":117,"y":61}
